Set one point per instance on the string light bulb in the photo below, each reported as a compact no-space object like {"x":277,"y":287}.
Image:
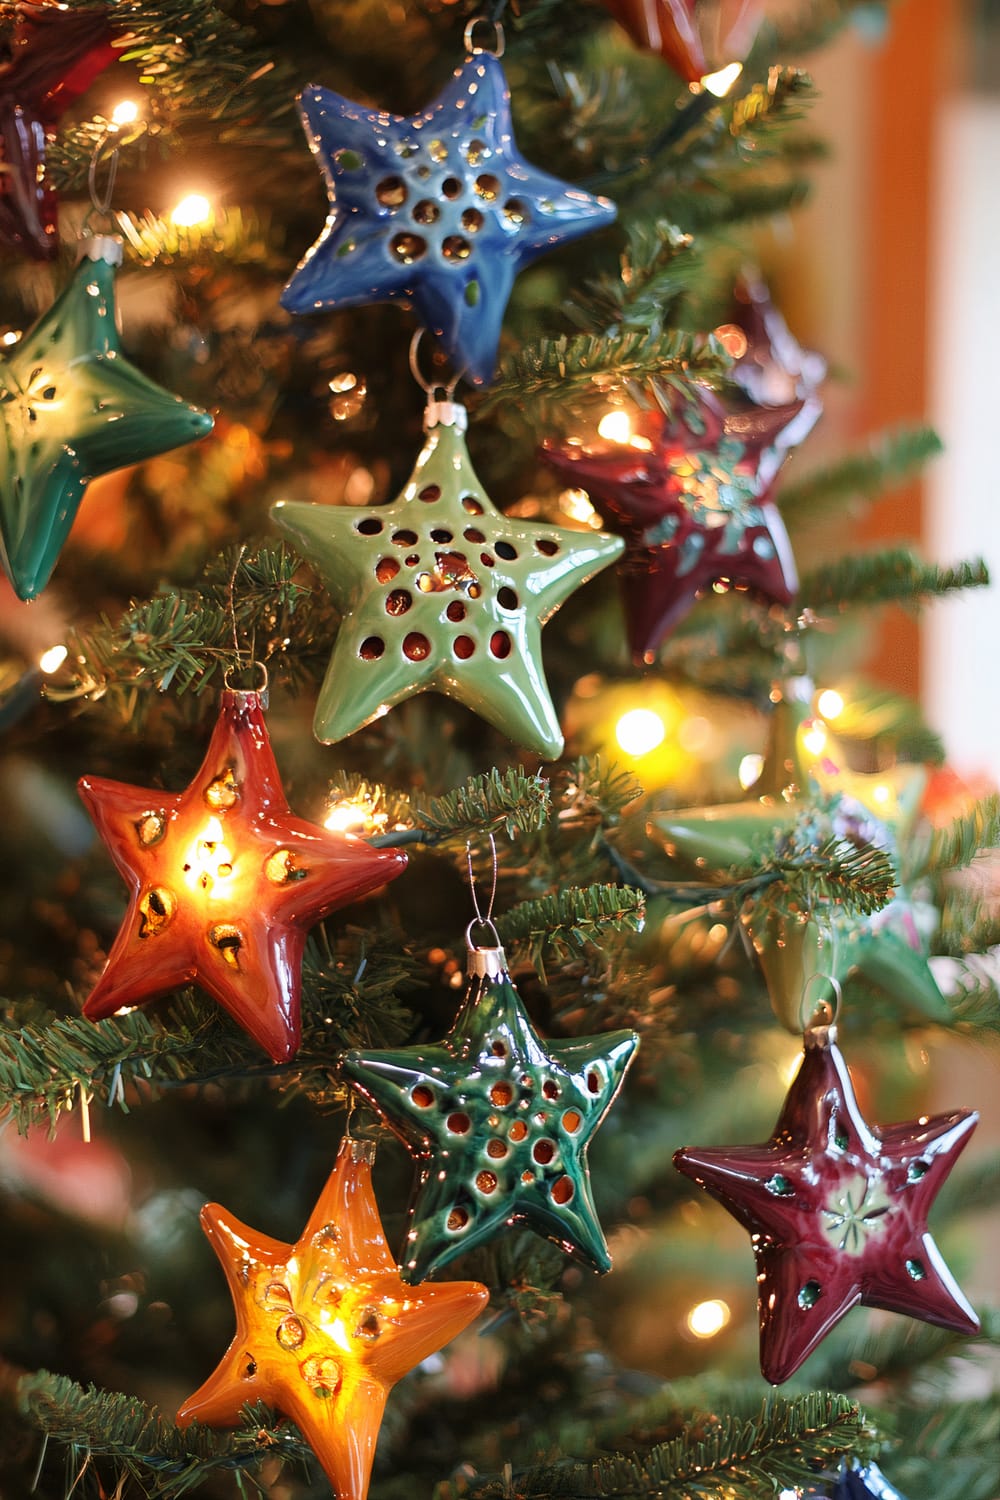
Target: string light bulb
{"x":708,"y":1318}
{"x":358,"y":814}
{"x":720,"y":82}
{"x":814,"y":737}
{"x":615,"y":426}
{"x":51,"y":660}
{"x":749,"y":770}
{"x":830,"y":704}
{"x":639,"y":731}
{"x":193,"y":208}
{"x":125,"y":112}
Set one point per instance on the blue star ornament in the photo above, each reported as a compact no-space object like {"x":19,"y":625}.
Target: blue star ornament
{"x":437,"y":208}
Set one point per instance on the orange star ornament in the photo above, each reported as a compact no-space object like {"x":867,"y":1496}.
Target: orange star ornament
{"x":325,"y":1327}
{"x":224,"y":883}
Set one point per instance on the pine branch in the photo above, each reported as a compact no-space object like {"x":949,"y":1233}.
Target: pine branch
{"x":729,"y":1459}
{"x":658,"y":266}
{"x":775,"y":103}
{"x":723,"y":202}
{"x":570,"y":920}
{"x":893,"y":576}
{"x":890,"y":459}
{"x":498,"y":802}
{"x":957,"y":845}
{"x":589,"y":793}
{"x":856,"y":880}
{"x":900,"y":1349}
{"x":965,"y":927}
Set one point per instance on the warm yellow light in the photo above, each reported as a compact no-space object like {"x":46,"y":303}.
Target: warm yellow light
{"x":576,"y":504}
{"x":721,"y":82}
{"x":52,"y":659}
{"x":208,"y":861}
{"x":125,"y":112}
{"x":814,"y":737}
{"x":830,"y":704}
{"x":355,"y":815}
{"x":11,"y":337}
{"x":192,"y":209}
{"x":616,"y":426}
{"x":881,"y":793}
{"x":708,"y":1318}
{"x":639,"y":731}
{"x":749,"y":771}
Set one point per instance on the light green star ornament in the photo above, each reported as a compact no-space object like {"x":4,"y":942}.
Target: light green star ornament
{"x":73,"y":408}
{"x":441,"y":590}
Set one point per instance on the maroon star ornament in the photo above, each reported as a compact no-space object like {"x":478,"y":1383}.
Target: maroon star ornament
{"x":55,"y":54}
{"x":676,"y":30}
{"x":690,"y":493}
{"x":837,"y":1210}
{"x":224,"y":882}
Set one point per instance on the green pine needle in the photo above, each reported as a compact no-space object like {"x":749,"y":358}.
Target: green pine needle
{"x":889,"y":459}
{"x":570,"y":921}
{"x":895,"y":576}
{"x":957,"y":845}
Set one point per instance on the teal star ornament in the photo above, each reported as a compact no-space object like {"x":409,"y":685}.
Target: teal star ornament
{"x":441,"y":590}
{"x":439,"y":209}
{"x":499,"y":1123}
{"x":74,"y":408}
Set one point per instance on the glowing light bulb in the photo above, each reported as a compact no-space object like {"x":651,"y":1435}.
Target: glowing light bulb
{"x":355,"y":815}
{"x":830,"y":704}
{"x":576,"y":504}
{"x":749,"y":771}
{"x":11,"y":337}
{"x":789,"y":1495}
{"x":639,"y":731}
{"x":881,"y":793}
{"x":208,"y":861}
{"x":616,"y":426}
{"x":814,"y":737}
{"x":125,"y":112}
{"x":52,"y":659}
{"x":720,"y":82}
{"x":192,"y":209}
{"x":708,"y":1318}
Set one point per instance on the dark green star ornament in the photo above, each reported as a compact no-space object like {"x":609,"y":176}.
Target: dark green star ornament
{"x":74,"y":408}
{"x":440,"y":590}
{"x":499,"y":1123}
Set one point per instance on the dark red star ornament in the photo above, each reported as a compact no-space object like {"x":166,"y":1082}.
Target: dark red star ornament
{"x":837,"y":1210}
{"x":224,"y":882}
{"x":55,"y":54}
{"x":690,"y":493}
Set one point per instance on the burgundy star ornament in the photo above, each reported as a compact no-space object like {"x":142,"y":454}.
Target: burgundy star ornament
{"x":837,"y":1210}
{"x":690,"y":493}
{"x":224,"y":882}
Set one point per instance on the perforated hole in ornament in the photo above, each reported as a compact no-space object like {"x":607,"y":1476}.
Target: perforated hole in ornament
{"x":416,"y":646}
{"x":429,"y":493}
{"x":371,"y":648}
{"x":281,"y":868}
{"x":398,"y":602}
{"x":406,"y":149}
{"x":368,"y":526}
{"x":916,"y":1269}
{"x":543,"y":1152}
{"x":500,"y":645}
{"x":809,"y":1295}
{"x":527,"y":1177}
{"x":506,"y":550}
{"x":454,"y":247}
{"x":456,"y":611}
{"x":562,"y":1190}
{"x":408,"y":247}
{"x":422,"y":1096}
{"x":917,"y":1170}
{"x":222,"y":791}
{"x":457,"y":1219}
{"x":442,"y":534}
{"x":550,"y":1089}
{"x":321,"y":1374}
{"x":459,"y":1123}
{"x":277,"y":1297}
{"x":464,"y":647}
{"x":391,"y":192}
{"x":228,"y":940}
{"x":572,"y":1120}
{"x":150,"y":828}
{"x":472,"y":505}
{"x":594,"y":1081}
{"x":475,"y":152}
{"x":518,"y":1131}
{"x":291,"y":1333}
{"x":506,"y":598}
{"x":451,"y":188}
{"x":369,"y":1325}
{"x":496,"y":1148}
{"x":473,"y":534}
{"x":403,"y":538}
{"x":386,"y":569}
{"x":486,"y":560}
{"x":437,"y":151}
{"x":546,"y":546}
{"x":514,"y":213}
{"x":488,"y":186}
{"x":156,"y":910}
{"x":501,"y":1094}
{"x":249,"y":1367}
{"x":411,"y":559}
{"x":486,"y":1182}
{"x":472,"y":220}
{"x":426,"y":211}
{"x":498,"y":1048}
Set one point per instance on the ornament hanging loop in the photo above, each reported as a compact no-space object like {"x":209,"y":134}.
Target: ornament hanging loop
{"x":442,"y":410}
{"x":819,"y":1018}
{"x":101,"y":200}
{"x":482,"y":918}
{"x":499,"y":40}
{"x":260,"y":691}
{"x":429,"y":387}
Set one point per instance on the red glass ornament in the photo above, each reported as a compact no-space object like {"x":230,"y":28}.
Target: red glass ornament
{"x":224,"y":882}
{"x":837,"y":1211}
{"x":678,"y":30}
{"x":55,"y":54}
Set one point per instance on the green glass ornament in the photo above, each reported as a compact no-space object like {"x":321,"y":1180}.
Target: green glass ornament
{"x":441,"y":590}
{"x":74,"y":408}
{"x":499,"y":1123}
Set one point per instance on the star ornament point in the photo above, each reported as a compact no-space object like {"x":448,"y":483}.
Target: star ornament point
{"x":440,"y":591}
{"x":499,"y":1123}
{"x":325,"y":1327}
{"x":438,"y":209}
{"x":73,"y":408}
{"x":837,"y":1212}
{"x":224,"y":883}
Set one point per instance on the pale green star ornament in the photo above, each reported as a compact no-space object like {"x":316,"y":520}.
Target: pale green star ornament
{"x":74,"y":408}
{"x":440,"y":590}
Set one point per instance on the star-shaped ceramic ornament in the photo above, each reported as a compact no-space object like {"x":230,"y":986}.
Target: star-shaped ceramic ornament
{"x":73,"y":408}
{"x":325,"y":1327}
{"x":690,"y":494}
{"x":439,"y":209}
{"x":441,"y":591}
{"x":499,"y":1123}
{"x":837,"y":1210}
{"x":224,"y":883}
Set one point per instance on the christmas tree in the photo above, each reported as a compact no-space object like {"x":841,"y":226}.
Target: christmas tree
{"x":406,"y":943}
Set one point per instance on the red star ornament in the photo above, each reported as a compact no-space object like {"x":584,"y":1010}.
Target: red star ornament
{"x":55,"y":54}
{"x":675,"y":29}
{"x":325,"y":1327}
{"x":224,"y":882}
{"x":690,"y":493}
{"x":837,"y":1211}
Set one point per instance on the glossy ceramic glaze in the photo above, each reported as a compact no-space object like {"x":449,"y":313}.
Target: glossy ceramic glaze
{"x":325,"y":1327}
{"x":675,"y":29}
{"x":438,"y":208}
{"x":55,"y":54}
{"x":224,"y":882}
{"x":837,"y":1211}
{"x":73,"y":408}
{"x":686,"y":495}
{"x":441,"y":591}
{"x":499,"y":1123}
